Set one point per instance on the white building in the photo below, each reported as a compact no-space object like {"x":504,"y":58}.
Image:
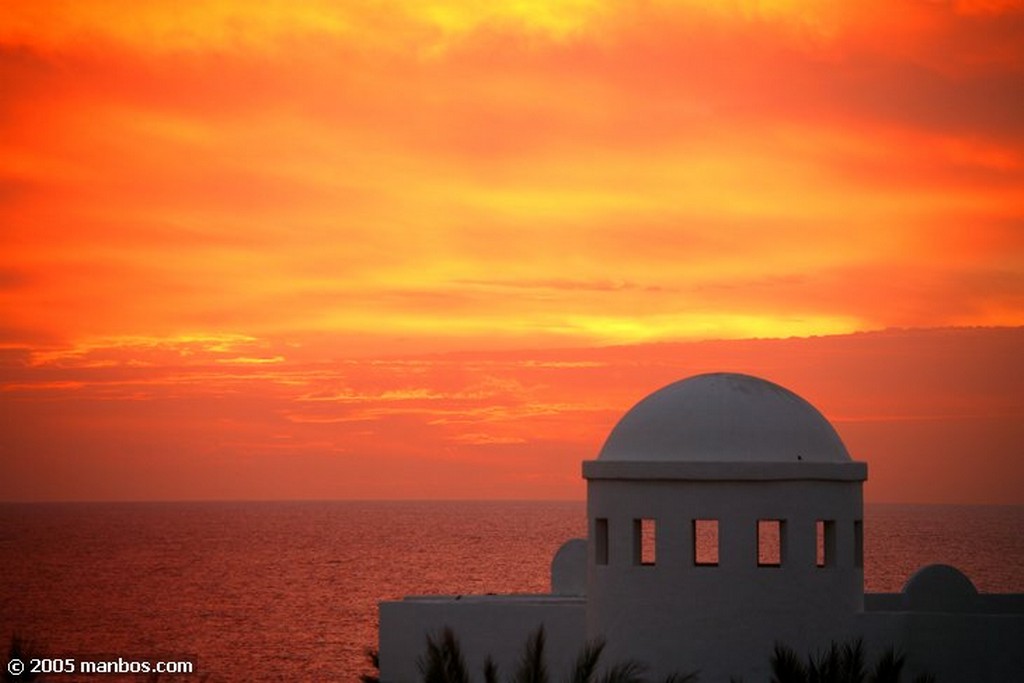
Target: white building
{"x":724,"y":515}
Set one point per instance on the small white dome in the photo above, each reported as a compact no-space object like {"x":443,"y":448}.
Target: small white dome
{"x":724,"y":417}
{"x":569,"y":568}
{"x":939,"y":588}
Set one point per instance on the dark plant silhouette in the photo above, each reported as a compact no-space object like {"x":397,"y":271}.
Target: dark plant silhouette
{"x":586,"y":662}
{"x":851,"y":660}
{"x":691,"y":677}
{"x":443,"y":661}
{"x":839,"y":664}
{"x":787,"y":666}
{"x":629,"y":671}
{"x":888,"y":668}
{"x":373,"y":657}
{"x":490,"y":670}
{"x":532,"y":668}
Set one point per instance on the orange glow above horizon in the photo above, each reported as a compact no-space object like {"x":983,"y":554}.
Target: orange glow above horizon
{"x":285,"y":185}
{"x":935,"y":413}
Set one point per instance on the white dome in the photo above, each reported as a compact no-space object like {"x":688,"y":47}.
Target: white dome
{"x":724,"y":417}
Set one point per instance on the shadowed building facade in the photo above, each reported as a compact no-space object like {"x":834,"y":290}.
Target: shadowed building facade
{"x":724,"y":514}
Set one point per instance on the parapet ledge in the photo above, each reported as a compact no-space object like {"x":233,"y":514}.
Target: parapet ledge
{"x":493,"y":598}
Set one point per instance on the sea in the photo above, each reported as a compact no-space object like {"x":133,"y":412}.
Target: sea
{"x":275,"y":591}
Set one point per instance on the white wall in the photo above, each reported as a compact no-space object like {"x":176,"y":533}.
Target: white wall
{"x":979,"y":644}
{"x":722,"y":620}
{"x":485,"y":625}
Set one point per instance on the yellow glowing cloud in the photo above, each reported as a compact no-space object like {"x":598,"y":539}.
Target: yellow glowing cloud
{"x":427,"y":27}
{"x":632,"y":329}
{"x":232,"y":25}
{"x":473,"y":174}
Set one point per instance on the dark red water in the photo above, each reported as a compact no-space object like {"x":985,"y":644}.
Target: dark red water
{"x":275,"y":591}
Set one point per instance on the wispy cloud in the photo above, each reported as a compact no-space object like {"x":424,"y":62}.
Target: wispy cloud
{"x":899,"y":399}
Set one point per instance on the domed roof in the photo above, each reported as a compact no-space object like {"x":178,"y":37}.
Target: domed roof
{"x":724,"y":417}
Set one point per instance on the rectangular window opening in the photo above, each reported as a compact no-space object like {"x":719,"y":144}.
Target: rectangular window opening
{"x":858,"y":544}
{"x":769,"y":542}
{"x":644,"y":541}
{"x":601,"y":541}
{"x":705,"y":542}
{"x":826,"y":543}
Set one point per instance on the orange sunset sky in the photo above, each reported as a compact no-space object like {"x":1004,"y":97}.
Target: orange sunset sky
{"x":378,"y":249}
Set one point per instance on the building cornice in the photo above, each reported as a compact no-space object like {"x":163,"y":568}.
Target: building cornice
{"x":650,"y":470}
